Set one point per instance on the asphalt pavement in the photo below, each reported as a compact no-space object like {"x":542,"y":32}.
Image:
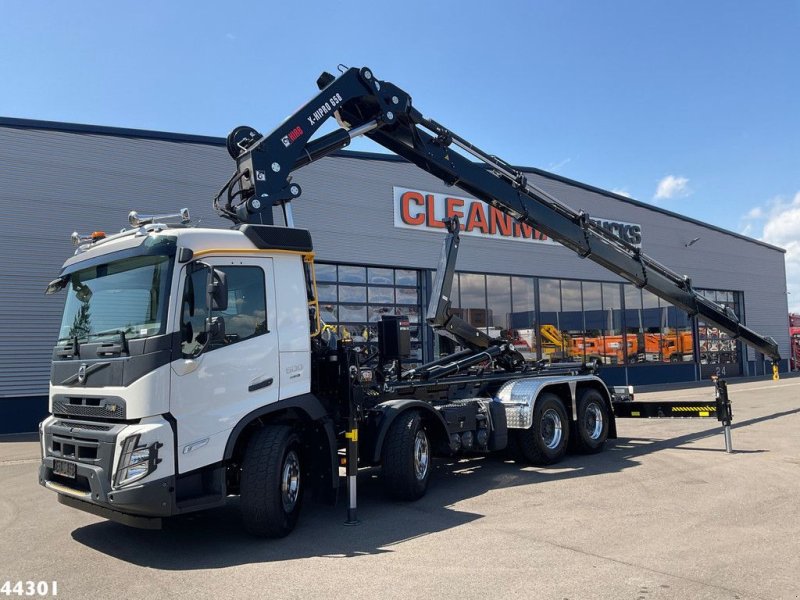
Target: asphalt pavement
{"x":664,"y":512}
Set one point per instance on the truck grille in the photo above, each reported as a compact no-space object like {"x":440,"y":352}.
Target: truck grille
{"x":87,"y":426}
{"x":86,"y":406}
{"x":74,"y":448}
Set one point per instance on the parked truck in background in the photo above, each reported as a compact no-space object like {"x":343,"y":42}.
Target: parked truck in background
{"x":192,"y":364}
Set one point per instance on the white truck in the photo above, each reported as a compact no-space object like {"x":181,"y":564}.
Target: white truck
{"x":192,"y":364}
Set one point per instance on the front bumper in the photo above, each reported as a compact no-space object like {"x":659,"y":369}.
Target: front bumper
{"x":93,"y":449}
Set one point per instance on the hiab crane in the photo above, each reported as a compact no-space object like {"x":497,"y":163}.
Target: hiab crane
{"x":192,"y":363}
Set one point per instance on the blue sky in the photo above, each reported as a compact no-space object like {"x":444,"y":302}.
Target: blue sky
{"x":692,"y":106}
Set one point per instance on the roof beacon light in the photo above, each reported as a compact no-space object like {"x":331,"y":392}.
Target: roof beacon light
{"x":137,"y":220}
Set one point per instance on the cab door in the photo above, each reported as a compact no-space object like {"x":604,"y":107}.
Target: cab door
{"x":229,"y":363}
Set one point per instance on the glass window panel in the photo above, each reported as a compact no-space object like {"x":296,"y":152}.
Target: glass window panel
{"x":352,"y":274}
{"x":352,"y":293}
{"x":473,"y":298}
{"x":405,"y":277}
{"x":571,"y":320}
{"x":329,"y":313}
{"x":594,"y":321}
{"x":352,"y":312}
{"x":498,"y":292}
{"x":412,"y":312}
{"x":716,"y":347}
{"x":549,"y":295}
{"x":555,"y":344}
{"x":677,"y":339}
{"x":380,"y":276}
{"x":634,"y":326}
{"x":407,"y":296}
{"x":246,"y":314}
{"x":380,"y":295}
{"x":325,"y":272}
{"x":652,"y":320}
{"x":376,"y":312}
{"x":523,"y":317}
{"x":326,"y":292}
{"x":614,"y":346}
{"x":594,"y":316}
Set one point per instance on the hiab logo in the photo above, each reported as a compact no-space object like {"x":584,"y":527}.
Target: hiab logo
{"x":415,"y":209}
{"x":292,"y":136}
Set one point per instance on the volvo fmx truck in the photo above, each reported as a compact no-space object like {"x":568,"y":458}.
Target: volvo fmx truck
{"x":192,"y":364}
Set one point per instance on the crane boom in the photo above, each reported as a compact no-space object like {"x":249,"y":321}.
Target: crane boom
{"x":381,"y":111}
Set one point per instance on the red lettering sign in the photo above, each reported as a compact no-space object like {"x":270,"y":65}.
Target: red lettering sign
{"x":405,"y":212}
{"x":477,"y":218}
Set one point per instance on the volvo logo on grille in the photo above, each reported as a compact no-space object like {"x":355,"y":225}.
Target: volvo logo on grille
{"x":82,"y":373}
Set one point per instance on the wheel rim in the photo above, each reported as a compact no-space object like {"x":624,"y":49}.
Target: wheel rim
{"x":421,"y":455}
{"x":551,"y":429}
{"x":290,"y":481}
{"x":593,"y":421}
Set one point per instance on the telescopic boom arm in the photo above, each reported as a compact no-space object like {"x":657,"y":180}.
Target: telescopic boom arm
{"x":363,"y":105}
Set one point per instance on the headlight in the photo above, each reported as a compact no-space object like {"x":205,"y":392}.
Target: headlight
{"x":136,"y":461}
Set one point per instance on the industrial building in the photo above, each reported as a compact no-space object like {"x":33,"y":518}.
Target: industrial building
{"x":376,"y":222}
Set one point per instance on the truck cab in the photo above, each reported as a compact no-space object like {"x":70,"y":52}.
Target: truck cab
{"x":171,"y":337}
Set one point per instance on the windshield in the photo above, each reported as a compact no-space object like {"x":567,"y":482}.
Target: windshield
{"x":123,"y":297}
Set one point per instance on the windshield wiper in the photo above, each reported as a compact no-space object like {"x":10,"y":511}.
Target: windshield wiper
{"x":73,"y":350}
{"x":122,"y":333}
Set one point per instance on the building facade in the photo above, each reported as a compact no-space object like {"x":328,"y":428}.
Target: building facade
{"x":376,"y":221}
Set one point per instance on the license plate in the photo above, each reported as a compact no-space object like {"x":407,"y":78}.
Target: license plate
{"x":64,"y":468}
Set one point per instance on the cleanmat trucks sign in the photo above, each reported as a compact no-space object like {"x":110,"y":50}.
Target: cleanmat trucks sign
{"x":420,"y":210}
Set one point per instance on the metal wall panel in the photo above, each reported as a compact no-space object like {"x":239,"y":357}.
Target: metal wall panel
{"x":54,"y":182}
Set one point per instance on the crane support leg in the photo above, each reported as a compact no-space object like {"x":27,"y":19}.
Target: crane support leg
{"x":724,"y":411}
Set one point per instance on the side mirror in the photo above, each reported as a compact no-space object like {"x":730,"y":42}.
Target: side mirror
{"x":57,"y":285}
{"x":216,"y":329}
{"x":218,"y":290}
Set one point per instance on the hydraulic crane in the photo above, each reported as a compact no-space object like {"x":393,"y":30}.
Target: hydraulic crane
{"x":381,"y":111}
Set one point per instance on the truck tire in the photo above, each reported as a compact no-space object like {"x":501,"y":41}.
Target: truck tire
{"x":545,"y":441}
{"x":406,"y":457}
{"x":271,"y":482}
{"x":592,"y":423}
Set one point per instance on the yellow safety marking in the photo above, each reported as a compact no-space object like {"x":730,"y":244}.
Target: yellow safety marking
{"x":308,"y":257}
{"x":352,"y":435}
{"x":703,"y":413}
{"x":313,"y":304}
{"x":693,"y":408}
{"x":635,"y":413}
{"x":243,"y":251}
{"x":775,"y":375}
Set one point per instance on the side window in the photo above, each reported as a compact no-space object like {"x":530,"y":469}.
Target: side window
{"x":194,"y":311}
{"x":246,"y":315}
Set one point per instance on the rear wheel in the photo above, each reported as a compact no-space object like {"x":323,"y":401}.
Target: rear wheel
{"x":406,"y":457}
{"x":592,"y":423}
{"x":545,"y":441}
{"x":271,"y":482}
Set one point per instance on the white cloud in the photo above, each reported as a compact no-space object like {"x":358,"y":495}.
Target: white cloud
{"x":621,"y":192}
{"x":755,"y":213}
{"x":672,"y":186}
{"x":781,"y":227}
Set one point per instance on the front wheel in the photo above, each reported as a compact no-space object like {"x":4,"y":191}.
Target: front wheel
{"x":406,"y":457}
{"x":545,"y":441}
{"x":271,"y":482}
